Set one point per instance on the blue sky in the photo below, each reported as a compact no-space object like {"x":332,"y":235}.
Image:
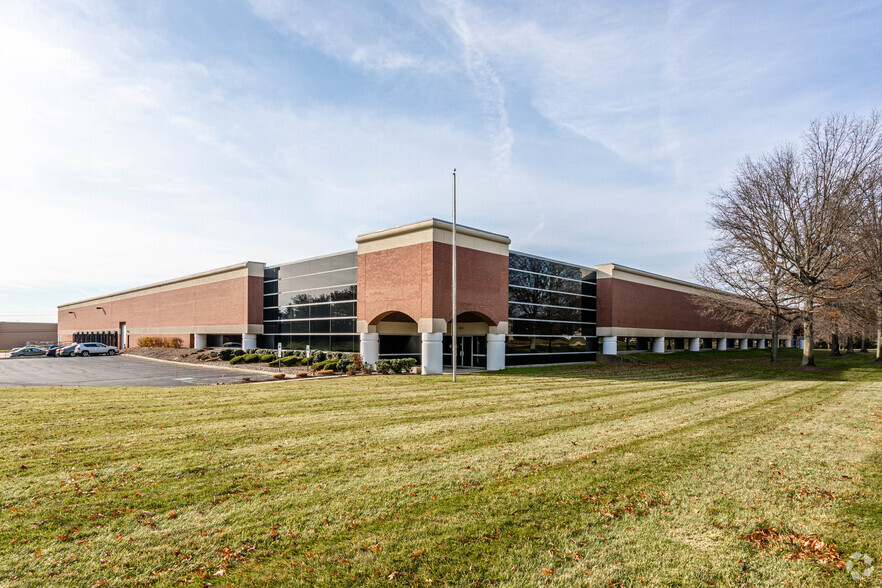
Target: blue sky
{"x":143,"y":140}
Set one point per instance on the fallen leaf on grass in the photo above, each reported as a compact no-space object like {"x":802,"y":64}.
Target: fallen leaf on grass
{"x":798,"y":547}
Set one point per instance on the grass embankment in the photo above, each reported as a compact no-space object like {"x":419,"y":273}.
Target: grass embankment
{"x":645,"y":474}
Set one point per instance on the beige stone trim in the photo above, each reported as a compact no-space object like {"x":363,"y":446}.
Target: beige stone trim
{"x":432,"y":325}
{"x":432,"y":230}
{"x":364,"y":327}
{"x":481,"y":328}
{"x":500,"y":329}
{"x":671,"y":333}
{"x":628,"y":274}
{"x":245,"y":269}
{"x":206,"y":330}
{"x":395,"y":328}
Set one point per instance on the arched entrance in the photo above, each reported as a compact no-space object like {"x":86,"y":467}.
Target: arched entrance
{"x":472,"y":329}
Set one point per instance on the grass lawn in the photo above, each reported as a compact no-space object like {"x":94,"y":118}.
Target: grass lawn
{"x":715,"y":469}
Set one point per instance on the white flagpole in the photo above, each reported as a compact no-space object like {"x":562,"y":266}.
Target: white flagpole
{"x":453,"y":324}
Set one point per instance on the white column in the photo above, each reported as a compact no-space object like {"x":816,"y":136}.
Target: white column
{"x":695,"y":344}
{"x":788,"y":342}
{"x":495,"y":352}
{"x":762,"y":344}
{"x":431,"y":360}
{"x":722,"y":344}
{"x":802,"y":343}
{"x":658,"y":344}
{"x":370,"y":347}
{"x":249,"y":341}
{"x":200,"y":341}
{"x":610,"y":345}
{"x":745,"y":343}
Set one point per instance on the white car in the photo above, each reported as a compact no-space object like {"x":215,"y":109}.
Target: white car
{"x":87,"y":349}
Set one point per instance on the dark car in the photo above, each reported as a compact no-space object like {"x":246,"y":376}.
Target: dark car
{"x":53,"y":350}
{"x":67,"y":351}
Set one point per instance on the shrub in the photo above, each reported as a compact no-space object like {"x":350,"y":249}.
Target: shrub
{"x":278,"y":376}
{"x":357,"y":362}
{"x":328,"y":364}
{"x":171,"y":343}
{"x":291,"y":360}
{"x":406,"y":364}
{"x":343,"y":364}
{"x":238,"y":352}
{"x":367,"y":368}
{"x":325,"y":372}
{"x":301,"y":374}
{"x":304,"y":361}
{"x":250,"y":358}
{"x":237,"y":359}
{"x":225,"y":354}
{"x":274,"y":363}
{"x":395,"y":366}
{"x":267,"y":357}
{"x":318,"y":356}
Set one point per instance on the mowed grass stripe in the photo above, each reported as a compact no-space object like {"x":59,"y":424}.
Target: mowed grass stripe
{"x":212,"y":476}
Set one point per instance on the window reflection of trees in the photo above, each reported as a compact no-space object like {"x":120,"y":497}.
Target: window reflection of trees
{"x":547,"y":310}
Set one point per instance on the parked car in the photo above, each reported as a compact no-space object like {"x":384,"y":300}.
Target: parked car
{"x":87,"y":349}
{"x":233,"y":345}
{"x":29,"y":351}
{"x":53,"y":350}
{"x":67,"y":351}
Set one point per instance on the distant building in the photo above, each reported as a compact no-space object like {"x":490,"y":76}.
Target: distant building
{"x":15,"y":334}
{"x":391,"y":297}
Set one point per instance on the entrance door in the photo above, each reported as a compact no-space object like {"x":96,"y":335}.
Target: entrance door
{"x":464,"y":351}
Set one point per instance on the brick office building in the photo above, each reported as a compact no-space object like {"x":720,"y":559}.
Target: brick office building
{"x":391,"y":297}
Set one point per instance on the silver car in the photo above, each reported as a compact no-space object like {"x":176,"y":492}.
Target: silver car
{"x":87,"y":349}
{"x":28,"y":351}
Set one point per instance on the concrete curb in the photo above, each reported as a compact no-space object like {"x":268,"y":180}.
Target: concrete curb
{"x":288,"y":377}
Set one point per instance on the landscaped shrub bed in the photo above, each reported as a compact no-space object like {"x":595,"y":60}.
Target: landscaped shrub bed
{"x":167,"y":342}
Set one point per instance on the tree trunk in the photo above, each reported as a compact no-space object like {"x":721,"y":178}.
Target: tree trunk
{"x":879,"y":327}
{"x":834,"y":344}
{"x":774,"y":339}
{"x":863,"y":341}
{"x":808,"y":323}
{"x":849,"y":346}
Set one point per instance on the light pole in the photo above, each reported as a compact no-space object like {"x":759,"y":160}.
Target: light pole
{"x":453,"y":323}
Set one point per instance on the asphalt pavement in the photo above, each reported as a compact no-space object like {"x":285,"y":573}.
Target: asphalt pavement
{"x":118,"y":370}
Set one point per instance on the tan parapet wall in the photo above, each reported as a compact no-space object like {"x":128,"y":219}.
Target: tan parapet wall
{"x":433,"y":230}
{"x":629,"y":274}
{"x":248,"y":268}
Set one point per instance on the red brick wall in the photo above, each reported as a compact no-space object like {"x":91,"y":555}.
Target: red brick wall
{"x":481,"y":283}
{"x":415,"y":280}
{"x":233,"y":302}
{"x":397,"y":279}
{"x":625,"y":304}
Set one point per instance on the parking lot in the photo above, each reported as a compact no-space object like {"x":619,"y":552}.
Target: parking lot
{"x":113,"y":371}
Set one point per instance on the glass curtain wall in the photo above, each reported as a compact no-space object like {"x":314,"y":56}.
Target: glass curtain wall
{"x":552,"y":309}
{"x":311,"y":302}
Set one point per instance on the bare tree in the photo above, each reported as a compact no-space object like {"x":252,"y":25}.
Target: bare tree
{"x":794,"y":210}
{"x":759,"y":301}
{"x":868,"y":231}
